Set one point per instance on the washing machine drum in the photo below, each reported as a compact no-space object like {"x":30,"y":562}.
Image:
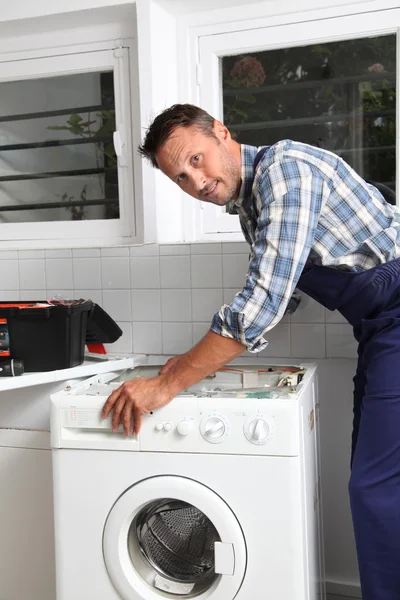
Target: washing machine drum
{"x":178,"y":540}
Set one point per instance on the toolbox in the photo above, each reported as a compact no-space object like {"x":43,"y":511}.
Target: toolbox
{"x":48,"y":336}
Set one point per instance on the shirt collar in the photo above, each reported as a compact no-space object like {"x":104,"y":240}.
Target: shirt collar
{"x":248,"y":154}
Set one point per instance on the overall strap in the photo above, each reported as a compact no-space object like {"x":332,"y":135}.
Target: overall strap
{"x":258,"y":157}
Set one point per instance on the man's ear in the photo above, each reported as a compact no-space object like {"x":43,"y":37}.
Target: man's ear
{"x":221,"y":132}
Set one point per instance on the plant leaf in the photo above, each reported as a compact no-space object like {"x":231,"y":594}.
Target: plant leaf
{"x":248,"y":99}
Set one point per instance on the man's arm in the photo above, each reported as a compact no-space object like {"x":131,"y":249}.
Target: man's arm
{"x":139,"y":396}
{"x":209,"y":355}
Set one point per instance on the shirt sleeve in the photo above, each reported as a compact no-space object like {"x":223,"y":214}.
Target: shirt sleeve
{"x":289,"y":195}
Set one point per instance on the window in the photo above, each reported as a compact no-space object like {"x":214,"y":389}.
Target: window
{"x":65,"y":142}
{"x":330,"y":83}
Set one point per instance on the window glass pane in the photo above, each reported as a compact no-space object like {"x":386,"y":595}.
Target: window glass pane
{"x":57,"y":159}
{"x":339,"y":96}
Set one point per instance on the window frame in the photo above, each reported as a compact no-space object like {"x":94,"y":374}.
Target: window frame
{"x":82,"y":58}
{"x":211,"y":222}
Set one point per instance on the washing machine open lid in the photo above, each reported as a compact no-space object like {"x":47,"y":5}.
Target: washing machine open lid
{"x":172,"y":537}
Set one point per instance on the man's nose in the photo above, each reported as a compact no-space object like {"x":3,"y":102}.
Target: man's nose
{"x":199,"y":182}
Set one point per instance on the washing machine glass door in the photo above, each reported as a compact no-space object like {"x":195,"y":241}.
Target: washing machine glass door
{"x":173,"y":537}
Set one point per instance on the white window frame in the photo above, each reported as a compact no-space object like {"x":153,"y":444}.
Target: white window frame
{"x":82,"y":59}
{"x":211,"y":223}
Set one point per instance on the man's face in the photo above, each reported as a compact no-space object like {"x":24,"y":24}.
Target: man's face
{"x":207,"y":168}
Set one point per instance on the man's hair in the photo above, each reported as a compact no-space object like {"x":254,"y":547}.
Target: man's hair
{"x":163,"y":126}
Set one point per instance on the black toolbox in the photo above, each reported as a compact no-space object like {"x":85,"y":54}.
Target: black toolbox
{"x":49,"y":336}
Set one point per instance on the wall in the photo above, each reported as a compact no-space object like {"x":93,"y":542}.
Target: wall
{"x":11,"y":11}
{"x":163,"y":297}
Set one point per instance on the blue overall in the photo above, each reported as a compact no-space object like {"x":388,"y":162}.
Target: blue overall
{"x":370,"y":302}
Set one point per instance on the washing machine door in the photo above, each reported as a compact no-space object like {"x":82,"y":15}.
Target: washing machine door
{"x":172,"y":537}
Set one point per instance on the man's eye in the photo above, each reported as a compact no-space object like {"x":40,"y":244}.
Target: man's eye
{"x":196,"y":158}
{"x":181,"y":177}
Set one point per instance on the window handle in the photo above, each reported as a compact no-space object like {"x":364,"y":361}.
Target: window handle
{"x":120,"y":148}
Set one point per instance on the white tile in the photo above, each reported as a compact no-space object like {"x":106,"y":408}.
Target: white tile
{"x":177,"y":337}
{"x":206,"y":248}
{"x":174,"y":249}
{"x":199,"y":331}
{"x":236,"y":248}
{"x":58,"y":253}
{"x":229,"y":294}
{"x":9,"y":296}
{"x":206,"y":271}
{"x":87,"y":273}
{"x":340,"y":342}
{"x":115,"y":251}
{"x":86,"y":252}
{"x":285,"y":319}
{"x":334,"y":316}
{"x":146,"y":305}
{"x":147,"y":338}
{"x":278,"y":339}
{"x":24,"y":254}
{"x":9,"y":278}
{"x":117,"y":303}
{"x":64,"y":294}
{"x":8,"y":254}
{"x":59,"y":273}
{"x":175,"y":272}
{"x":308,"y":311}
{"x":307,"y":341}
{"x":124,"y":344}
{"x":234,"y":268}
{"x":145,"y":272}
{"x":94,"y":295}
{"x":145,"y":250}
{"x":115,"y":273}
{"x":176,"y":305}
{"x":31,"y":274}
{"x":26,"y":295}
{"x":205,"y":303}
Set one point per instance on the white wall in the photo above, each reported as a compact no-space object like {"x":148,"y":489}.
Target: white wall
{"x":24,"y":9}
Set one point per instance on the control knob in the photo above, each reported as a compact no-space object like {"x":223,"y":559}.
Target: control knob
{"x":258,"y":429}
{"x":184,"y":427}
{"x":214,"y":428}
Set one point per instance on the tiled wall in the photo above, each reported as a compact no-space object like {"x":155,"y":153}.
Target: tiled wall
{"x":164,"y":297}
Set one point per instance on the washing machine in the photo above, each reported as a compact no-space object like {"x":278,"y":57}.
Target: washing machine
{"x":217,"y":498}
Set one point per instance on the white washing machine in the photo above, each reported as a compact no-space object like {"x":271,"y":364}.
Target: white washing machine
{"x":217,"y":498}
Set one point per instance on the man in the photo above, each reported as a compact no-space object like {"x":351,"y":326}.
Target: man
{"x":311,"y":223}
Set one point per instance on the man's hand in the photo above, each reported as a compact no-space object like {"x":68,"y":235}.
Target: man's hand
{"x":135,"y":398}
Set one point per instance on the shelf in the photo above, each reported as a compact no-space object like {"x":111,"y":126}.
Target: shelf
{"x":315,"y":83}
{"x":55,"y":143}
{"x":55,"y":113}
{"x":61,"y":204}
{"x":92,"y":365}
{"x":54,"y":174}
{"x":309,"y":120}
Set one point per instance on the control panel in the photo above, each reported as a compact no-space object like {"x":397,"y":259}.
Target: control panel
{"x":259,"y":411}
{"x":192,"y":425}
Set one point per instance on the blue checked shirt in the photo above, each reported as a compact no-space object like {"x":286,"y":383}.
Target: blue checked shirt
{"x":302,"y":204}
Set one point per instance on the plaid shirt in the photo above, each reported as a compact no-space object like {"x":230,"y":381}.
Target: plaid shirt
{"x":303,"y":204}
